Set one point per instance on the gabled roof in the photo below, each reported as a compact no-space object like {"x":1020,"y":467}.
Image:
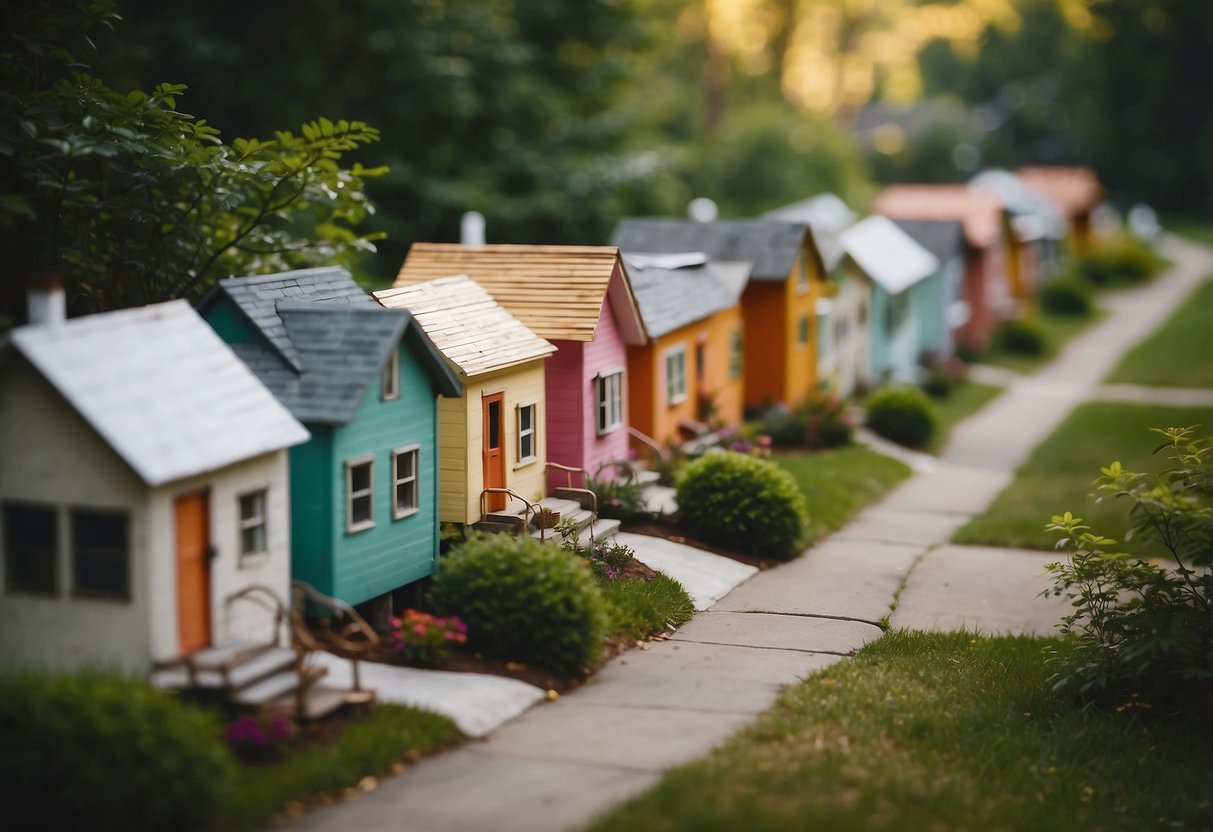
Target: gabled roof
{"x":329,"y":338}
{"x":886,"y":254}
{"x":161,"y":389}
{"x":558,"y":292}
{"x":943,"y":238}
{"x":980,"y":212}
{"x":467,"y":325}
{"x":827,"y":215}
{"x":1074,"y":188}
{"x":674,"y":291}
{"x":770,"y":246}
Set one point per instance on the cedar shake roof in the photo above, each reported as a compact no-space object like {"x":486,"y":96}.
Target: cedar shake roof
{"x":770,"y":246}
{"x":1076,"y":189}
{"x":467,"y":325}
{"x":558,"y":292}
{"x":980,"y":212}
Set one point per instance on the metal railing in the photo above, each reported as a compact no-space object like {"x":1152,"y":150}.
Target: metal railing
{"x":527,"y":512}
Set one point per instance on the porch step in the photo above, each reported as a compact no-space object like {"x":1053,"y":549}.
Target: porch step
{"x":268,"y":689}
{"x":319,"y":702}
{"x":267,"y":664}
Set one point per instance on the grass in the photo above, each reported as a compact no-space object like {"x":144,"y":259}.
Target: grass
{"x":1057,"y":330}
{"x":937,"y":732}
{"x":964,"y":400}
{"x":838,"y":483}
{"x":1060,"y":474}
{"x":1192,"y":228}
{"x":640,"y":609}
{"x":1177,"y":354}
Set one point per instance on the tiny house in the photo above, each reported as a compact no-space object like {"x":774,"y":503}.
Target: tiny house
{"x":1076,"y":189}
{"x":946,"y":240}
{"x":143,"y":490}
{"x":493,"y":436}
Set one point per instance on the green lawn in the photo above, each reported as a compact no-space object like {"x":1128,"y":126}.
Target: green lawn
{"x":1060,"y":474}
{"x":965,"y":399}
{"x":1058,"y":329}
{"x":840,"y":482}
{"x":1180,"y":353}
{"x":937,"y":732}
{"x":1192,"y":228}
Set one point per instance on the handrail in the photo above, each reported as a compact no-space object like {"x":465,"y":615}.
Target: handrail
{"x":357,"y":636}
{"x":526,"y":516}
{"x":645,"y":439}
{"x":265,"y":598}
{"x":569,"y":471}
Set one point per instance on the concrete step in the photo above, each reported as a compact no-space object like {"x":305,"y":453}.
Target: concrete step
{"x":269,"y":689}
{"x":263,"y":665}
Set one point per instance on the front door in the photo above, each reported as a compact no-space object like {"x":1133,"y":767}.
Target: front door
{"x":193,"y":572}
{"x":493,"y":412}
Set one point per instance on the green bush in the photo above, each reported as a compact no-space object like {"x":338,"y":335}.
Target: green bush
{"x":1125,"y":261}
{"x":786,"y":429}
{"x":97,"y":750}
{"x":1020,"y":337}
{"x":903,"y":415}
{"x":523,"y":600}
{"x":620,"y":495}
{"x":743,"y":502}
{"x":1068,"y":296}
{"x":826,"y":422}
{"x":640,"y":609}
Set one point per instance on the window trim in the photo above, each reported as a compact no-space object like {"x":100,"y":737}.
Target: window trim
{"x":603,"y":405}
{"x":399,"y":513}
{"x":244,"y":524}
{"x":352,"y":527}
{"x":56,"y":547}
{"x":93,"y":595}
{"x":673,"y":398}
{"x":390,"y":373}
{"x":533,"y":433}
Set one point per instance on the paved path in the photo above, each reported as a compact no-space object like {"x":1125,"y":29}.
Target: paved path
{"x":560,"y":764}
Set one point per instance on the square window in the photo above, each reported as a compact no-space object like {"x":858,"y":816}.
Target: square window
{"x":31,"y":548}
{"x":389,"y":383}
{"x":100,"y":554}
{"x":404,"y":481}
{"x":676,"y":375}
{"x":359,"y":494}
{"x":526,"y":432}
{"x":610,"y":401}
{"x":253,"y":538}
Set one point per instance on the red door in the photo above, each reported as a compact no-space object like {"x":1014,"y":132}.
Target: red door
{"x":492,"y":409}
{"x":193,"y":572}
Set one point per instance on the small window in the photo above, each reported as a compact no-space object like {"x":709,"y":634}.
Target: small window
{"x":404,"y":481}
{"x":253,"y":539}
{"x":736,"y":355}
{"x":31,"y":549}
{"x":676,"y":375}
{"x":803,"y":334}
{"x":389,"y":384}
{"x":610,"y":401}
{"x":359,"y":494}
{"x":100,"y":554}
{"x":526,"y":432}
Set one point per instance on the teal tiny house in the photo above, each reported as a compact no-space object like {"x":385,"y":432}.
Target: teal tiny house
{"x":364,"y":380}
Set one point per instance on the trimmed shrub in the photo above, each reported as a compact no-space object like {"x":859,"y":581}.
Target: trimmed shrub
{"x":743,"y":502}
{"x":902,"y":414}
{"x":1067,"y":296}
{"x":523,"y":600}
{"x":1123,"y":262}
{"x":97,"y":750}
{"x":1020,"y":337}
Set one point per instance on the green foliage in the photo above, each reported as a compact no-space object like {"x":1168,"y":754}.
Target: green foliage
{"x":523,"y":600}
{"x":1124,"y":261}
{"x":607,"y":559}
{"x":743,"y":502}
{"x":97,"y":750}
{"x":640,"y":609}
{"x":1020,"y":337}
{"x":904,"y":415}
{"x":1067,"y":295}
{"x":1139,"y":626}
{"x":784,"y":426}
{"x":620,"y":495}
{"x":1176,"y":354}
{"x":820,"y":421}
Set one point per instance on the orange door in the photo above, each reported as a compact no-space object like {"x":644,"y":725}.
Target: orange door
{"x":492,"y":409}
{"x":193,"y":572}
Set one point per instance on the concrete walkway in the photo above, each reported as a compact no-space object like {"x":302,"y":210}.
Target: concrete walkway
{"x":560,"y":764}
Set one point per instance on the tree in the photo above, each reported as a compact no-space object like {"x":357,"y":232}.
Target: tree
{"x":132,"y":201}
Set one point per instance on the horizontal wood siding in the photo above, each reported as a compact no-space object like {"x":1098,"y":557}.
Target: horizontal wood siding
{"x":454,"y":469}
{"x":762,"y":306}
{"x":727,"y":393}
{"x":313,"y":523}
{"x":642,"y":392}
{"x":606,"y":352}
{"x":567,"y":407}
{"x":800,"y":369}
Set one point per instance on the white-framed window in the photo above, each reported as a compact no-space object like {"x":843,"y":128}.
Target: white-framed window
{"x":610,"y":400}
{"x":31,"y":548}
{"x":526,"y":433}
{"x":405,"y":493}
{"x":359,"y":493}
{"x":736,"y":354}
{"x":389,"y":383}
{"x":803,"y":333}
{"x":253,"y":537}
{"x":676,"y":375}
{"x":101,"y":559}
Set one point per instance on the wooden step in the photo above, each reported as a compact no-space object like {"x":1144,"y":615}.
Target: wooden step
{"x":320,"y":702}
{"x":259,"y":667}
{"x":268,"y":689}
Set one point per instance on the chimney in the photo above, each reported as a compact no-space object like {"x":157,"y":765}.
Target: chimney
{"x":45,"y":303}
{"x":471,"y":229}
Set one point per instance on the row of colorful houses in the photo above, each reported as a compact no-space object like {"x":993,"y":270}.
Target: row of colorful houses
{"x":159,"y":463}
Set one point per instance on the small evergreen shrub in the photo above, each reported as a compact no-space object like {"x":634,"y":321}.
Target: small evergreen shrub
{"x":523,"y":600}
{"x":97,"y":750}
{"x":1020,"y":337}
{"x":1067,"y":296}
{"x":743,"y":502}
{"x":902,"y":414}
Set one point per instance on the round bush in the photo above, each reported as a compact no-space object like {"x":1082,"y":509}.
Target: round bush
{"x":742,"y":502}
{"x":902,"y":414}
{"x":1067,"y":296}
{"x":786,"y":429}
{"x":523,"y":600}
{"x":1021,"y":337}
{"x":101,"y":751}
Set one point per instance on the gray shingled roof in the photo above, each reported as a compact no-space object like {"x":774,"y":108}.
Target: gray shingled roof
{"x":827,"y":215}
{"x":326,"y":340}
{"x":670,"y":298}
{"x":943,"y":238}
{"x":770,"y":246}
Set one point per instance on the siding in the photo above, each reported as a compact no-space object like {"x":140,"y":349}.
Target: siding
{"x":568,"y":407}
{"x":312,"y":518}
{"x":800,"y":368}
{"x":762,"y":305}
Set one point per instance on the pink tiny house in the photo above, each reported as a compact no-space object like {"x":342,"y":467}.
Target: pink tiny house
{"x":578,"y":298}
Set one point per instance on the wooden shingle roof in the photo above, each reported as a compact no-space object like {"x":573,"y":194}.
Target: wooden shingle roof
{"x":467,"y":325}
{"x":556,"y":291}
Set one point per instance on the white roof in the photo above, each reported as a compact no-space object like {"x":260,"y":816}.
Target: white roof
{"x":161,"y":388}
{"x":886,"y":254}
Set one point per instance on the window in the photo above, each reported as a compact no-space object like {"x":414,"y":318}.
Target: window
{"x":897,"y":309}
{"x":100,"y":554}
{"x":803,"y":334}
{"x":676,"y":375}
{"x":526,"y":432}
{"x":404,"y":481}
{"x":359,"y":494}
{"x":610,"y":401}
{"x":389,"y":384}
{"x":736,"y":355}
{"x":252,"y":523}
{"x":31,"y":548}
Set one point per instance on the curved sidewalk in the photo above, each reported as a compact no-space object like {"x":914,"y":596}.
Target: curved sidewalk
{"x":560,"y":764}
